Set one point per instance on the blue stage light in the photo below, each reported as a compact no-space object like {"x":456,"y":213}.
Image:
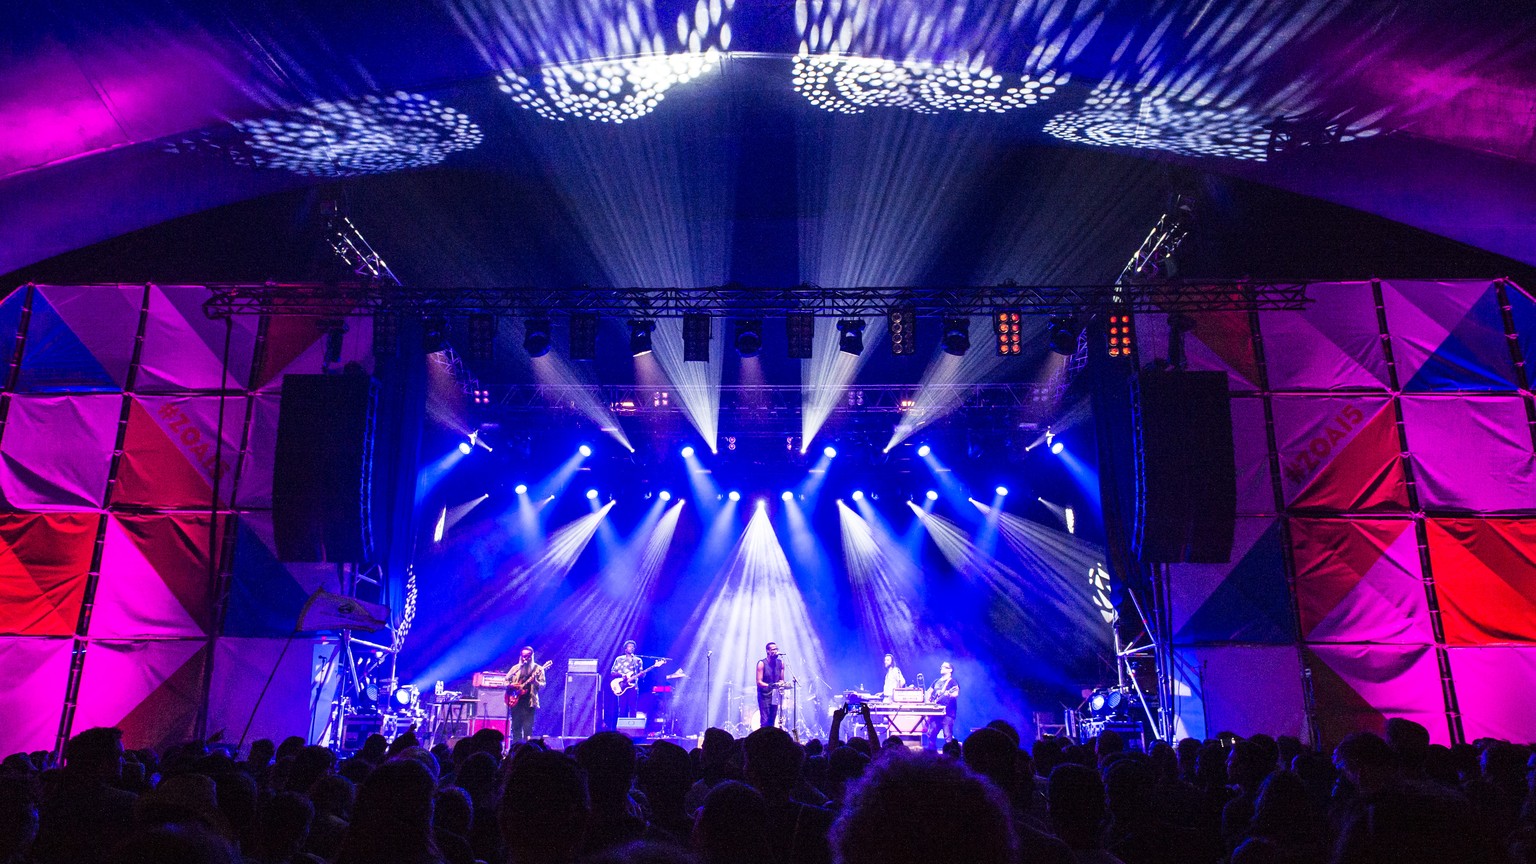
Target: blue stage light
{"x":687,"y":452}
{"x":1057,"y":447}
{"x":829,"y":451}
{"x":932,"y":495}
{"x":788,"y":495}
{"x":591,"y":494}
{"x":858,"y":495}
{"x":465,"y":447}
{"x":521,"y":489}
{"x":1002,"y":490}
{"x":924,"y":450}
{"x":665,"y":495}
{"x":734,"y":495}
{"x":584,"y":450}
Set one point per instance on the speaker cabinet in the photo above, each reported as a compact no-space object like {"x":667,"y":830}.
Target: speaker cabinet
{"x":580,"y":709}
{"x":1188,"y":478}
{"x":322,"y":476}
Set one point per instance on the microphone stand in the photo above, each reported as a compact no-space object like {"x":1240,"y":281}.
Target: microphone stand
{"x":794,"y":722}
{"x":709,"y":690}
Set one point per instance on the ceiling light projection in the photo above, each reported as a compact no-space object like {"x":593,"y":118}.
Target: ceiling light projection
{"x":850,"y":336}
{"x":749,"y":337}
{"x":902,"y":322}
{"x":608,"y":91}
{"x":536,"y":336}
{"x":800,"y":327}
{"x":640,"y":331}
{"x":853,"y":85}
{"x":957,"y":336}
{"x":371,"y":135}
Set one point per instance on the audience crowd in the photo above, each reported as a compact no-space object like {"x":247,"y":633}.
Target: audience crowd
{"x":767,"y":799}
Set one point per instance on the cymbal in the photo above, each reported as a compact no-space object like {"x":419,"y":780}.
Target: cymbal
{"x":677,"y":675}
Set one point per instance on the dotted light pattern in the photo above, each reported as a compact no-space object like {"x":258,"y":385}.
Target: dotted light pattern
{"x":852,"y":85}
{"x":371,"y":135}
{"x":1117,"y":117}
{"x":608,"y":91}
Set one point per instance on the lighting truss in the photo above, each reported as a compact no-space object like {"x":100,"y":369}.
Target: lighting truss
{"x":367,"y":298}
{"x":627,"y":399}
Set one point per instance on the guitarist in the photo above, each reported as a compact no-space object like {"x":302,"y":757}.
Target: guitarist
{"x":626,"y":670}
{"x":524,"y":681}
{"x":770,"y":684}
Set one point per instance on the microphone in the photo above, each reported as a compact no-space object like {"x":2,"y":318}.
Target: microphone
{"x":783,"y":653}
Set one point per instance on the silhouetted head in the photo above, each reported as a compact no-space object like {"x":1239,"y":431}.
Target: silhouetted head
{"x":962,"y":817}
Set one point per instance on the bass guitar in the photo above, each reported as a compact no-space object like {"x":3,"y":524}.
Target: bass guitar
{"x":625,"y":683}
{"x":516,"y":691}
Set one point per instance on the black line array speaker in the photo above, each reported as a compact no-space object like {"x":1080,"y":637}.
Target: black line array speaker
{"x":322,"y":485}
{"x":1189,"y":478}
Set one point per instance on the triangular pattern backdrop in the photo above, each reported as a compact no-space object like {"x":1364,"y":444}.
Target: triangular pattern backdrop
{"x":124,"y":436}
{"x":1395,"y":483}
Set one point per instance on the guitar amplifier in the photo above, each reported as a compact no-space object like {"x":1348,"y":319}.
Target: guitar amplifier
{"x":579,"y":667}
{"x":907,"y":694}
{"x":489,"y":680}
{"x":491,"y":702}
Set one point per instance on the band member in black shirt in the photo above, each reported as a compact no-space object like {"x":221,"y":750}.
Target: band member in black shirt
{"x":770,"y":684}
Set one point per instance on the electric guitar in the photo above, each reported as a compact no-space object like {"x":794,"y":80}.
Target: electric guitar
{"x":516,"y":692}
{"x":624,"y":683}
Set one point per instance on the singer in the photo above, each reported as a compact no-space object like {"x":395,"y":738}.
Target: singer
{"x":770,"y":684}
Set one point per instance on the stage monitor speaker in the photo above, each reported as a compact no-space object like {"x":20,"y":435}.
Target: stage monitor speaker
{"x":491,"y":702}
{"x":579,"y":712}
{"x":356,"y":728}
{"x":1188,"y":489}
{"x":634,"y":727}
{"x":322,"y":474}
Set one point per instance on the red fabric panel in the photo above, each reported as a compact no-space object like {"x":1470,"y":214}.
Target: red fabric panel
{"x":32,"y":691}
{"x":294,"y":347}
{"x":1485,"y":577}
{"x":171,"y":452}
{"x":1359,"y":581}
{"x":151,"y":690}
{"x":57,"y":450}
{"x":1358,"y":687}
{"x":45,"y":559}
{"x":1491,"y":686}
{"x":1471,"y":452}
{"x":154,"y":578}
{"x":1340,"y":453}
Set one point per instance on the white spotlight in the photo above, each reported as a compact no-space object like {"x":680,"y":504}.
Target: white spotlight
{"x":442,"y":524}
{"x":829,"y":451}
{"x":932,"y":495}
{"x":665,"y":495}
{"x":788,"y":495}
{"x":734,"y":496}
{"x":1002,"y":490}
{"x":761,"y":503}
{"x":858,"y":495}
{"x":687,"y":452}
{"x":924,"y":451}
{"x":1071,"y":520}
{"x":521,"y":489}
{"x":465,"y":447}
{"x":1057,"y":447}
{"x":591,"y":494}
{"x":584,"y":450}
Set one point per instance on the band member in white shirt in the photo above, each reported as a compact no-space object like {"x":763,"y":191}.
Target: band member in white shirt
{"x":893,"y":678}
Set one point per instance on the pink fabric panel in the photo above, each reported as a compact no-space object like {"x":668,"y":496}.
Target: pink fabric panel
{"x":184,"y":349}
{"x":261,"y":452}
{"x":1359,"y":687}
{"x":1490,"y":686}
{"x":1359,"y":580}
{"x":154,"y":579}
{"x":1471,"y":452}
{"x":32,"y":691}
{"x":1239,"y":689}
{"x":149,"y":689}
{"x":1255,"y":490}
{"x":240,"y":667}
{"x":57,"y":450}
{"x":1334,"y":344}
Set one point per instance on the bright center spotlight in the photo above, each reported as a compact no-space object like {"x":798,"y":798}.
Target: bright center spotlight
{"x":687,"y":452}
{"x":584,"y":450}
{"x":858,"y":495}
{"x":734,"y":496}
{"x":465,"y":447}
{"x":829,"y":451}
{"x":521,"y":489}
{"x":924,"y":451}
{"x":1057,"y":447}
{"x":932,"y":495}
{"x":665,"y":495}
{"x":761,"y":503}
{"x":1002,"y":490}
{"x":788,"y":495}
{"x":591,"y":494}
